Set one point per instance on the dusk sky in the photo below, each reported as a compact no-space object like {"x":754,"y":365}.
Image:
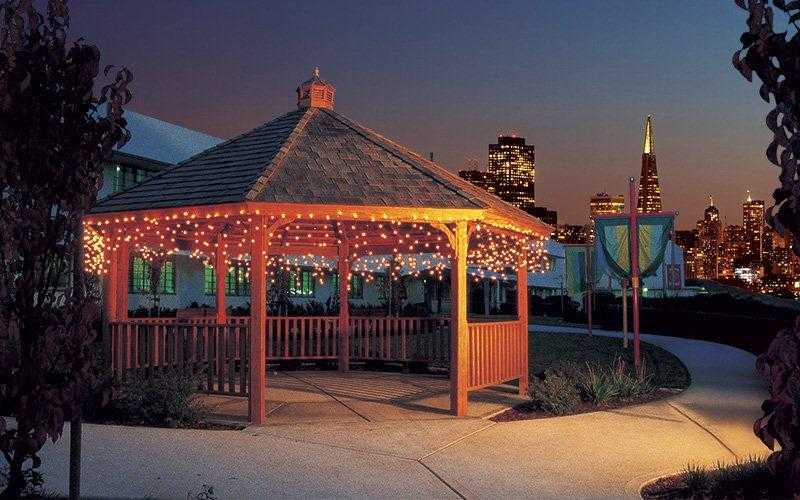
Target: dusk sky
{"x":576,"y":78}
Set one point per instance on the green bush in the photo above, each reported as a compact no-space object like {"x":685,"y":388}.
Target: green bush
{"x":555,"y":392}
{"x":165,"y":399}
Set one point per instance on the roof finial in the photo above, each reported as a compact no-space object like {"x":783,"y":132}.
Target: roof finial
{"x":316,"y":71}
{"x":711,"y":199}
{"x":749,"y":196}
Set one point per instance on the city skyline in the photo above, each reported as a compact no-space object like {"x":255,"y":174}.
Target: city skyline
{"x":434,"y":82}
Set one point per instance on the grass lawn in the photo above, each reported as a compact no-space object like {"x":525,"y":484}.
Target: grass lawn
{"x":548,"y":350}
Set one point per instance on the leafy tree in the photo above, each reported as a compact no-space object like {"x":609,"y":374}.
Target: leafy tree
{"x":53,"y":142}
{"x":774,"y":57}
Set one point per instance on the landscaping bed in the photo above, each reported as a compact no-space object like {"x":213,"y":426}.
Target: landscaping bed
{"x":573,"y":373}
{"x":746,"y":479}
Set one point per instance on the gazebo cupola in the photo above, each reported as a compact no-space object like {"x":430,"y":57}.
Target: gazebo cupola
{"x":316,"y":93}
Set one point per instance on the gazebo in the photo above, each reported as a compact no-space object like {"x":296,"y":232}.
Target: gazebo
{"x":316,"y":185}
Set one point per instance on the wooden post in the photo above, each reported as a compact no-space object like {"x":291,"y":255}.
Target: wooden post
{"x":110,"y":285}
{"x":522,"y":316}
{"x":220,"y":274}
{"x":459,"y":335}
{"x":634,"y":238}
{"x":258,"y":316}
{"x":487,"y":297}
{"x":343,"y":341}
{"x":123,"y":267}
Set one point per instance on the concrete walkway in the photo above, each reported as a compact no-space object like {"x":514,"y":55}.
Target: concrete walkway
{"x":322,"y":397}
{"x":603,"y":454}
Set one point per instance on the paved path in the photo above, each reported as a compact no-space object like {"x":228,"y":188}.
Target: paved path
{"x":603,"y":454}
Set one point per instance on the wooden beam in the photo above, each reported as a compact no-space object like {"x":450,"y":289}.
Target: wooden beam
{"x":522,"y":316}
{"x":123,"y":269}
{"x":459,"y":336}
{"x":343,"y":344}
{"x":258,"y":316}
{"x":220,"y":274}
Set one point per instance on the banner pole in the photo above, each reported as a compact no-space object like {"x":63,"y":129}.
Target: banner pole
{"x":588,"y":292}
{"x":634,"y":238}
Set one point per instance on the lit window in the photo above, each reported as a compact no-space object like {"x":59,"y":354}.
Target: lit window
{"x":302,"y":284}
{"x":139,"y":277}
{"x":356,"y":286}
{"x":209,"y":280}
{"x":237,"y":282}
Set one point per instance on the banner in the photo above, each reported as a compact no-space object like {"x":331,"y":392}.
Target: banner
{"x":575,"y":268}
{"x":613,"y":244}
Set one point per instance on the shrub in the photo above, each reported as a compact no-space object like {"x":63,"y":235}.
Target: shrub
{"x":555,"y":392}
{"x":600,"y":385}
{"x":696,"y":479}
{"x":780,"y":425}
{"x":165,"y":399}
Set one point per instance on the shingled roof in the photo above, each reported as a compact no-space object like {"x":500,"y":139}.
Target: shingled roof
{"x":309,"y":156}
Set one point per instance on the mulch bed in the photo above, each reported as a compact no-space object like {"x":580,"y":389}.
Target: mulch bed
{"x":527,"y":411}
{"x":203,"y":425}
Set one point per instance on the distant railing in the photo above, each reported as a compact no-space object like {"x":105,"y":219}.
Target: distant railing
{"x":302,"y":337}
{"x":400,"y":339}
{"x":497,"y":352}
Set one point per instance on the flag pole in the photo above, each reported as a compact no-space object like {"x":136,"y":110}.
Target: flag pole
{"x":634,"y":238}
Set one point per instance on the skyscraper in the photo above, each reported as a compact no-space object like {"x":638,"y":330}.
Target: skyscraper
{"x":513,"y":168}
{"x":479,"y":178}
{"x":649,"y":191}
{"x":753,"y":224}
{"x":709,"y":235}
{"x":606,"y":204}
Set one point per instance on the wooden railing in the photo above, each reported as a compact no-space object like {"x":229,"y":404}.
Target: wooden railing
{"x":497,"y":352}
{"x":302,"y":337}
{"x":200,"y":320}
{"x":215,"y":354}
{"x":400,"y":339}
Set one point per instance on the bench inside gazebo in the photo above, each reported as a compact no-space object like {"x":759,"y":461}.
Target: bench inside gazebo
{"x":315,"y":185}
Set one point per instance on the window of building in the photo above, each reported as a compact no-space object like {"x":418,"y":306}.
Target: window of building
{"x":125,"y":176}
{"x":139,"y":277}
{"x":356,"y":286}
{"x":237,"y":281}
{"x":301,"y":284}
{"x":209,"y":280}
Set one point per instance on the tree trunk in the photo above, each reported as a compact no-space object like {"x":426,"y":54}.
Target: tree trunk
{"x":75,"y":434}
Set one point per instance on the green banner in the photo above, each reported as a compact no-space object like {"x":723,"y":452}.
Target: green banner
{"x":655,"y":232}
{"x":613,"y":244}
{"x":575,"y":261}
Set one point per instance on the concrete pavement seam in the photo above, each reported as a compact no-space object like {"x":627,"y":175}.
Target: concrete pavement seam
{"x":312,"y":384}
{"x":458,"y":440}
{"x":697,"y":423}
{"x":440,"y":478}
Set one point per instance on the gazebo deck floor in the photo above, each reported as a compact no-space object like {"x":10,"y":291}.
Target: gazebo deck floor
{"x":305,"y":397}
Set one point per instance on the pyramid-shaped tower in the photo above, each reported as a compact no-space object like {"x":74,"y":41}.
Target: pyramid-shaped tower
{"x":649,"y":190}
